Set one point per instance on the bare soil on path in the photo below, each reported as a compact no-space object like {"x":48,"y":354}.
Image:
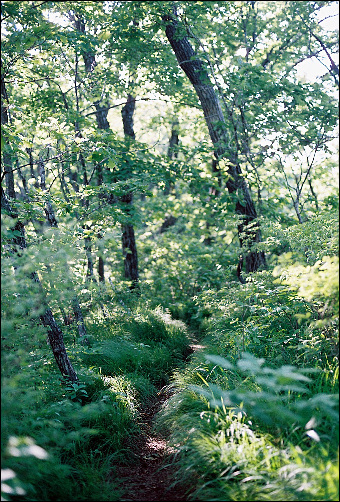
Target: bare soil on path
{"x":152,"y":474}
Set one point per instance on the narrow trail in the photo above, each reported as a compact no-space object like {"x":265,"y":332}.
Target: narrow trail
{"x":152,"y":474}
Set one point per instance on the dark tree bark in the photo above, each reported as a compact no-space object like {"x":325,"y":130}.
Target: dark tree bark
{"x":173,"y":141}
{"x":102,"y":123}
{"x":128,"y":234}
{"x":127,"y":116}
{"x":129,"y":247}
{"x":167,"y":223}
{"x":101,"y":115}
{"x":248,"y":229}
{"x":172,"y":151}
{"x":55,"y":334}
{"x":89,"y":57}
{"x":6,"y":156}
{"x":101,"y":269}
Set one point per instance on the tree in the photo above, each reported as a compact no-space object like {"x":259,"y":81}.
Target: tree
{"x":249,"y":232}
{"x":128,"y":234}
{"x":55,"y":334}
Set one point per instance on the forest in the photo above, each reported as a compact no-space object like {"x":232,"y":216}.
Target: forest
{"x":170,"y":239}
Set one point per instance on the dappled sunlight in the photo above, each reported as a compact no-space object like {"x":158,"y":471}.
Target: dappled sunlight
{"x":170,"y":242}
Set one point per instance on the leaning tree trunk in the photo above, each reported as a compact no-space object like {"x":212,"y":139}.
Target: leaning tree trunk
{"x":55,"y":334}
{"x":128,"y":233}
{"x":248,"y":229}
{"x":52,"y":221}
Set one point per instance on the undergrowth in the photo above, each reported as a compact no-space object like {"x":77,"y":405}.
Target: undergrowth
{"x":254,"y":416}
{"x":61,"y":440}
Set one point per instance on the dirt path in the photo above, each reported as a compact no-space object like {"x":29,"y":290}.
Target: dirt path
{"x":151,"y":476}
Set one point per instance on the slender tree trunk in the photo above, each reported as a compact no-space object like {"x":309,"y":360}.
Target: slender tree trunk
{"x":55,"y":339}
{"x":102,"y":123}
{"x":248,"y":229}
{"x":101,"y":269}
{"x":128,"y":234}
{"x":127,"y":116}
{"x":52,"y":221}
{"x":172,"y":151}
{"x":88,"y":251}
{"x":55,"y":334}
{"x":6,"y":156}
{"x":313,"y":193}
{"x":129,"y":247}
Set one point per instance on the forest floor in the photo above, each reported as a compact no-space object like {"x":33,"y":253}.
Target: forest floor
{"x":152,"y":475}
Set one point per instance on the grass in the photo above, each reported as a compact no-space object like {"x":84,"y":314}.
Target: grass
{"x":83,"y":428}
{"x":254,"y":427}
{"x":242,"y":428}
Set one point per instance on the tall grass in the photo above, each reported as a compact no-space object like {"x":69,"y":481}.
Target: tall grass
{"x":61,"y":442}
{"x":254,"y":416}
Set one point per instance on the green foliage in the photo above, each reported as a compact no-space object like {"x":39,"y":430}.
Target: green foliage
{"x":316,"y":238}
{"x":317,"y":283}
{"x":144,"y":344}
{"x":254,"y":416}
{"x":226,"y":439}
{"x":76,"y":391}
{"x":76,"y":422}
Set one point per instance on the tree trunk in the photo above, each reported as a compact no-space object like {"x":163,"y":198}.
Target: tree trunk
{"x":88,"y":250}
{"x":55,"y":334}
{"x":172,"y":151}
{"x":127,"y":116}
{"x":6,"y":156}
{"x":102,"y":123}
{"x":129,"y":247}
{"x":101,"y":116}
{"x":248,"y":229}
{"x":101,"y":269}
{"x":52,"y":221}
{"x":128,"y":233}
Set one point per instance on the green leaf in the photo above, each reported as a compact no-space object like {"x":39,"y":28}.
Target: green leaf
{"x":220,"y":361}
